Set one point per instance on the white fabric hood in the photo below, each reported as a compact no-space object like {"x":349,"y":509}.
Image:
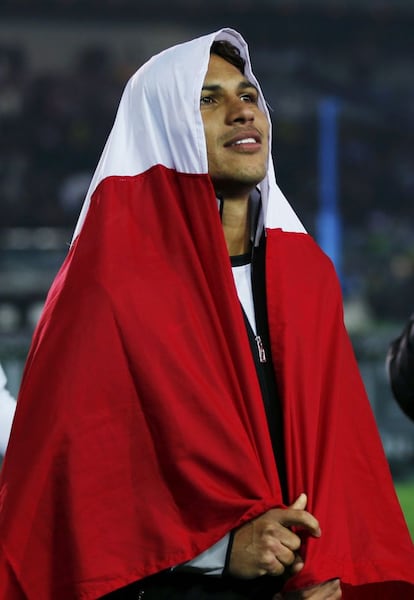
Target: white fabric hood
{"x":159,"y":122}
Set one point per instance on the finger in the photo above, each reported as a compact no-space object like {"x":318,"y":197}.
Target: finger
{"x":283,"y":536}
{"x":278,"y":562}
{"x":332,"y":588}
{"x":274,"y":567}
{"x":300,"y":502}
{"x":301,"y":518}
{"x":328,"y":590}
{"x":297,"y":565}
{"x":286,"y":557}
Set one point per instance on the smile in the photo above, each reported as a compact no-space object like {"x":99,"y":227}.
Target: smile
{"x":249,"y":137}
{"x":246,"y":141}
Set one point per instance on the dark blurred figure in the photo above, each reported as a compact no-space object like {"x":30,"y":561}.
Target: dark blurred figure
{"x":400,"y":363}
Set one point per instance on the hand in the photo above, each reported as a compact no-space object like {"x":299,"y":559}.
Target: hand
{"x":329,"y":590}
{"x":267,"y":546}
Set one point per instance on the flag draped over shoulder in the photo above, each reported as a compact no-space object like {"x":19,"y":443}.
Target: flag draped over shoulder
{"x":333,"y":450}
{"x":140,"y":437}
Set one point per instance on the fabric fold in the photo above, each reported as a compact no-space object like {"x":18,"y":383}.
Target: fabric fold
{"x":140,"y":437}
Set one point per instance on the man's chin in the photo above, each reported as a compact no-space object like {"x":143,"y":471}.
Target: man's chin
{"x":236,"y":188}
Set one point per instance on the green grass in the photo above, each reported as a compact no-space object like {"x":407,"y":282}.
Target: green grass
{"x":405,"y":492}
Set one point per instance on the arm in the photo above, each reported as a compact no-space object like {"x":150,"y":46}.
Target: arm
{"x":400,"y":363}
{"x":267,"y":545}
{"x":264,"y":545}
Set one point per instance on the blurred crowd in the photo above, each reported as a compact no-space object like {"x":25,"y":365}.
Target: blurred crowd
{"x":54,"y":124}
{"x":53,"y":129}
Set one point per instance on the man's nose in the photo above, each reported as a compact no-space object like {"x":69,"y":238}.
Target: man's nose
{"x":240,"y":111}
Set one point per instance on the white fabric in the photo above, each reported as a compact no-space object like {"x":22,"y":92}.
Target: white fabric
{"x":7,"y":408}
{"x":210,"y":562}
{"x":243,"y":280}
{"x":146,"y":133}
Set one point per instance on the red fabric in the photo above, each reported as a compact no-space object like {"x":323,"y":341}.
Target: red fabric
{"x":333,"y":450}
{"x":140,"y":437}
{"x":133,"y":436}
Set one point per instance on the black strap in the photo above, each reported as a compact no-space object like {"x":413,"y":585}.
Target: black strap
{"x":260,"y":346}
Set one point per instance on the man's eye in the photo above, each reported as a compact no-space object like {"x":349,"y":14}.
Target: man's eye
{"x":206,"y":100}
{"x":249,"y":98}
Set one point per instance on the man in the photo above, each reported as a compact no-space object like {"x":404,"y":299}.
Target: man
{"x":185,"y":407}
{"x":400,"y":366}
{"x":7,"y":408}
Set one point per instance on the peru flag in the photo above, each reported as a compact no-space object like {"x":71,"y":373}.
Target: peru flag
{"x":140,"y":437}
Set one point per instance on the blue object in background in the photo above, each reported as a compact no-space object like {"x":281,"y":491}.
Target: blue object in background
{"x":328,"y":224}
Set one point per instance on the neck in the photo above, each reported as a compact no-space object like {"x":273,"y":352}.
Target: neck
{"x":236,"y":226}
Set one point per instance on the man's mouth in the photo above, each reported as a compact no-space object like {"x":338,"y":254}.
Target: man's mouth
{"x":245,"y":141}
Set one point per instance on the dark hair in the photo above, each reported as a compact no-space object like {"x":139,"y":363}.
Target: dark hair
{"x":229,"y":52}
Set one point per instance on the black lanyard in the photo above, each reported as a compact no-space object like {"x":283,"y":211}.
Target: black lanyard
{"x":260,"y":347}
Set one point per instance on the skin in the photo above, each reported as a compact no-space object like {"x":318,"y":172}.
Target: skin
{"x":230,"y":114}
{"x":237,"y":138}
{"x":330,"y":590}
{"x":267,"y":546}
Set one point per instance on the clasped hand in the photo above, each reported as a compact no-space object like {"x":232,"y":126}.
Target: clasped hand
{"x":267,"y":546}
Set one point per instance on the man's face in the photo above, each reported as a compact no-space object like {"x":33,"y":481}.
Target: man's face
{"x":236,"y":130}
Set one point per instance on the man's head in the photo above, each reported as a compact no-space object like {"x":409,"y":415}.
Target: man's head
{"x":236,"y":129}
{"x":229,"y":52}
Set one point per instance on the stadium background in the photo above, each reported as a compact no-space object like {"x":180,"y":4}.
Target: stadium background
{"x":63,"y":65}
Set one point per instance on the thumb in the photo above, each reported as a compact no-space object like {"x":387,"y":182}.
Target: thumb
{"x":300,"y":502}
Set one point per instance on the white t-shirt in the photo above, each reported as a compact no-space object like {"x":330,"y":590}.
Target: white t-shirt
{"x":243,"y":279}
